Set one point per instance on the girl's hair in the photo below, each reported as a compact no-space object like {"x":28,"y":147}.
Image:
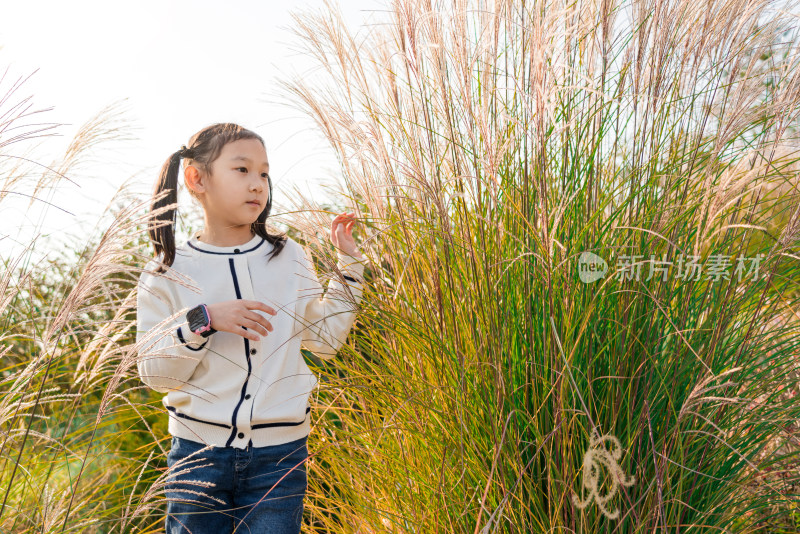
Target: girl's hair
{"x":204,"y":147}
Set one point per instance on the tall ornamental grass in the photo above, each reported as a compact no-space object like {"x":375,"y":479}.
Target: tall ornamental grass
{"x":583,"y":223}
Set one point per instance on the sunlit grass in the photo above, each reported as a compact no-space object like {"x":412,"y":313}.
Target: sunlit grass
{"x":488,"y":146}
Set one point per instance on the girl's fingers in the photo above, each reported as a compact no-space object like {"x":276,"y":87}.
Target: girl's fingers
{"x":345,"y":216}
{"x":249,"y":333}
{"x":255,"y":328}
{"x":343,"y":222}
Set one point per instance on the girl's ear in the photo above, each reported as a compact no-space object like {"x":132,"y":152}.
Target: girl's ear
{"x":194,"y":179}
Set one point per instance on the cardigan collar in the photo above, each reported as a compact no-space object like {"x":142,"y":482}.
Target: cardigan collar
{"x":204,"y":248}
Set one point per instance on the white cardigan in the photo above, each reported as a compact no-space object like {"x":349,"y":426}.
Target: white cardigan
{"x":227,"y":390}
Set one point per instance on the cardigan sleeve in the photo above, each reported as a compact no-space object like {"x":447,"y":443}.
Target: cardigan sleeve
{"x":168,"y":351}
{"x":327,"y":317}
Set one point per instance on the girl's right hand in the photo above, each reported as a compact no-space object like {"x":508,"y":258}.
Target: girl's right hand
{"x":232,"y":315}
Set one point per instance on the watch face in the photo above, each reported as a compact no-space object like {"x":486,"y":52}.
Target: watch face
{"x":197,"y":318}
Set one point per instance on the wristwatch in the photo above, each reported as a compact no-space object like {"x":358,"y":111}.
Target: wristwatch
{"x":200,"y":321}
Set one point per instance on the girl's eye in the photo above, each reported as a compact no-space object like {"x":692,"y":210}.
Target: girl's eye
{"x":263,"y":175}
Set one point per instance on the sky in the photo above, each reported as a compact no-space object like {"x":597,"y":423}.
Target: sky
{"x":167,"y":69}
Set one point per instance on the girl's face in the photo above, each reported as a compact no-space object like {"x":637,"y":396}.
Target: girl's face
{"x":237,"y":191}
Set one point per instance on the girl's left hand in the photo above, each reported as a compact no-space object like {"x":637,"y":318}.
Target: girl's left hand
{"x":342,"y":234}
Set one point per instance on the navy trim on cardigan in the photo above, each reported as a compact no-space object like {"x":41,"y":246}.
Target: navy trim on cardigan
{"x":350,"y":278}
{"x":227,"y":253}
{"x":241,"y":395}
{"x":261,"y":425}
{"x":266,"y":425}
{"x":246,"y":354}
{"x":180,"y":336}
{"x":176,"y":412}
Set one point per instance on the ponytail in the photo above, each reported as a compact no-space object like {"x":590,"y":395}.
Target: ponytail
{"x":162,"y":225}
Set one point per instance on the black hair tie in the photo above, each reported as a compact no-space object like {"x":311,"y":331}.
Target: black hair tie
{"x":185,"y":152}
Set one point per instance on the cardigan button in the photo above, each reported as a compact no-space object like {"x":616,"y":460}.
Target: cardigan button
{"x":236,"y":250}
{"x":252,"y":351}
{"x":247,"y":396}
{"x":241,"y":434}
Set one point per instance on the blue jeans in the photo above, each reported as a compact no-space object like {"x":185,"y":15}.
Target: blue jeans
{"x":257,"y":490}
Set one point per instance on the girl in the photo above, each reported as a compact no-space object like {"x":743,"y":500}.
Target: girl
{"x":221,"y":319}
